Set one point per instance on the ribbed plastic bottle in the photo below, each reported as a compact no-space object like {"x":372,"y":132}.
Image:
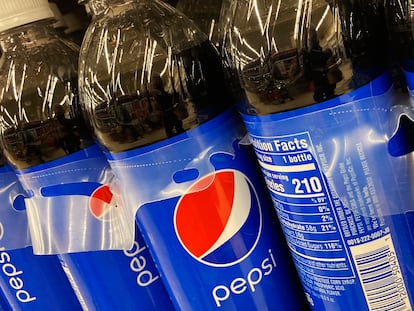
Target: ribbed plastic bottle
{"x":46,"y":141}
{"x":66,"y":175}
{"x":27,"y":282}
{"x":156,"y":94}
{"x":319,"y":113}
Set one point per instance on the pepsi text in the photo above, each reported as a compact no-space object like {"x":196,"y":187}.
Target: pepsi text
{"x":13,"y":274}
{"x":138,"y":264}
{"x":240,"y":285}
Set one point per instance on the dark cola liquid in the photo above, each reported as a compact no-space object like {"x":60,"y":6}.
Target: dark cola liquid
{"x":323,"y":64}
{"x":400,"y":21}
{"x":34,"y":142}
{"x":2,"y":159}
{"x":201,"y":92}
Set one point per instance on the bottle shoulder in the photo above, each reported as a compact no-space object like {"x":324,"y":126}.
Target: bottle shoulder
{"x":54,"y":59}
{"x":41,"y":49}
{"x":286,"y":64}
{"x":144,"y":21}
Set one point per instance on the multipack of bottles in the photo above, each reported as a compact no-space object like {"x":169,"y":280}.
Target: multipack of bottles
{"x":207,"y":155}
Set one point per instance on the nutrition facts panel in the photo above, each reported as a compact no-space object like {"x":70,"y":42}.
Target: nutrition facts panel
{"x":305,"y":207}
{"x":343,"y":200}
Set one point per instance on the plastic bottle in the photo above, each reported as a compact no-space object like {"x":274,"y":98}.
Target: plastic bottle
{"x":27,"y":282}
{"x":46,"y":140}
{"x":63,"y":161}
{"x":117,"y":279}
{"x":319,"y":114}
{"x":156,"y":94}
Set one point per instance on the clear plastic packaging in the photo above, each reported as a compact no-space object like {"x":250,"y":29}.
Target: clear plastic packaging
{"x":46,"y":140}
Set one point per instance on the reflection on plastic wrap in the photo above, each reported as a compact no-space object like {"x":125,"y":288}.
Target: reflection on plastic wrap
{"x":72,"y":207}
{"x":14,"y":232}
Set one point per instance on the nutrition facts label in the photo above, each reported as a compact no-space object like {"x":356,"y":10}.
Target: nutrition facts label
{"x":305,"y":208}
{"x":335,"y":241}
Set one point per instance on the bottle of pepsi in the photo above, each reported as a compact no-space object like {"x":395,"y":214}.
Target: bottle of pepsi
{"x":116,"y":279}
{"x":155,"y":92}
{"x":27,"y":282}
{"x":318,"y":111}
{"x":46,"y":141}
{"x":65,"y":174}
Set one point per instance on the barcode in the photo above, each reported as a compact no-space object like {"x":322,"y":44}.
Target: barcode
{"x":380,"y":275}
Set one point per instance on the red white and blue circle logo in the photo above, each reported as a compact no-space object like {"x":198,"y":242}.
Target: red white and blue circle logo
{"x":101,"y":201}
{"x":101,"y":198}
{"x":218,"y":221}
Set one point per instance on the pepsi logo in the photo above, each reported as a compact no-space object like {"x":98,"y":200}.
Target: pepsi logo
{"x":218,"y":220}
{"x":101,"y":200}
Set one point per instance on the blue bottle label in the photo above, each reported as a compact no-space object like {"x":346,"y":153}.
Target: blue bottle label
{"x":71,"y":206}
{"x":409,"y":77}
{"x":20,"y":271}
{"x":34,"y":283}
{"x":341,"y":187}
{"x":205,"y":213}
{"x":130,"y":279}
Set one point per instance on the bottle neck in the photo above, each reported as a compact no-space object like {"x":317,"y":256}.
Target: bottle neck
{"x":27,"y":36}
